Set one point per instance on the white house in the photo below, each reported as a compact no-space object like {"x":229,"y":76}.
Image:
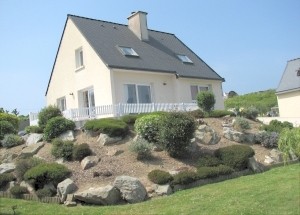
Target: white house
{"x":100,"y":63}
{"x":288,"y":91}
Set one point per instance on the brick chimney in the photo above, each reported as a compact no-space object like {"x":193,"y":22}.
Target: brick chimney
{"x":137,"y":23}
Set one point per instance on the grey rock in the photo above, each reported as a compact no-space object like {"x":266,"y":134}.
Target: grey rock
{"x":254,"y":165}
{"x":233,"y":135}
{"x":107,"y":195}
{"x":7,"y":167}
{"x":70,"y":204}
{"x":157,"y":148}
{"x":206,"y":135}
{"x":50,"y":186}
{"x":60,"y":160}
{"x":64,"y":188}
{"x":33,"y":139}
{"x":268,"y":160}
{"x":89,"y":162}
{"x":161,"y":190}
{"x":29,"y":151}
{"x":104,"y":139}
{"x":68,"y":135}
{"x":70,"y":198}
{"x":132,"y":190}
{"x":11,"y":184}
{"x":25,"y":137}
{"x":276,"y":155}
{"x":22,"y":133}
{"x":8,"y":157}
{"x":28,"y":186}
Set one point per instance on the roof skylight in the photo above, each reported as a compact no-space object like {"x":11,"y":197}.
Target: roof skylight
{"x":128,"y":51}
{"x":184,"y":58}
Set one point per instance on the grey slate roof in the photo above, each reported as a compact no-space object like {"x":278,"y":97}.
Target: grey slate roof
{"x":289,"y":80}
{"x":157,"y":54}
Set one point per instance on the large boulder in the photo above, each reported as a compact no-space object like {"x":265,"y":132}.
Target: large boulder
{"x":68,"y":135}
{"x":7,"y":167}
{"x":161,"y":190}
{"x":104,"y":139}
{"x":276,"y":155}
{"x":64,"y":188}
{"x":254,"y":165}
{"x":107,"y":195}
{"x":89,"y":162}
{"x":233,"y":135}
{"x":33,"y":139}
{"x":132,"y":190}
{"x":28,"y":186}
{"x":206,"y":135}
{"x":29,"y":151}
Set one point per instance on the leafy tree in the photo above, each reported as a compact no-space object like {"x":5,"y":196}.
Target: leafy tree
{"x":15,"y":112}
{"x":206,"y":100}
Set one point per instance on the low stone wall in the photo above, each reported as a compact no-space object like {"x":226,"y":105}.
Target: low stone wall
{"x":30,"y":197}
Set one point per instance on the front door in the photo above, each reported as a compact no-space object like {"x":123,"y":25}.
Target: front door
{"x":88,"y":102}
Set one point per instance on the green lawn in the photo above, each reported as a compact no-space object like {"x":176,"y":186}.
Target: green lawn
{"x":274,"y":192}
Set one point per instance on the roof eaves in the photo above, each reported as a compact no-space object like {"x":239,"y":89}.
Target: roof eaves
{"x":287,"y":91}
{"x":195,"y":77}
{"x":141,"y":69}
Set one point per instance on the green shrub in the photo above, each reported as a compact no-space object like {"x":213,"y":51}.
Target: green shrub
{"x":130,"y":119}
{"x":45,"y":173}
{"x":250,"y":113}
{"x":62,"y":149}
{"x":197,"y":114}
{"x":267,"y":139}
{"x":81,"y":151}
{"x":33,"y":129}
{"x":208,"y":160}
{"x":110,"y":126}
{"x":289,"y":141}
{"x":46,"y":114}
{"x":213,"y":171}
{"x":241,"y":124}
{"x":44,"y":192}
{"x":18,"y":191}
{"x":219,"y":113}
{"x":206,"y":100}
{"x":148,"y":127}
{"x":6,"y":128}
{"x":56,"y":126}
{"x":11,"y":140}
{"x":160,"y":177}
{"x":142,"y":148}
{"x":177,"y":130}
{"x":12,"y":119}
{"x":23,"y":165}
{"x":185,"y":177}
{"x":276,"y":126}
{"x":5,"y":178}
{"x":235,"y":156}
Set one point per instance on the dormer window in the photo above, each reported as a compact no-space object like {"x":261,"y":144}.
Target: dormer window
{"x":127,"y":51}
{"x":184,"y":58}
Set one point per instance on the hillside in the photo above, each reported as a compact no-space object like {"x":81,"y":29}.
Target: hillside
{"x":263,"y":101}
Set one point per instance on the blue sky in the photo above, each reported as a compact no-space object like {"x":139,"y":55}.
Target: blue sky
{"x":248,"y":42}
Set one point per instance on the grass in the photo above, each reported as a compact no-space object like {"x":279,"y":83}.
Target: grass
{"x":272,"y":192}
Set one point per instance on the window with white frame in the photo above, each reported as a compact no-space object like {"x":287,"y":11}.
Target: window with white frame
{"x":195,"y":89}
{"x":61,"y":103}
{"x":79,"y":58}
{"x":135,"y":93}
{"x":184,"y":58}
{"x":128,"y":51}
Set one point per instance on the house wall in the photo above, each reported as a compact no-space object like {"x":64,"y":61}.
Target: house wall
{"x":165,"y":87}
{"x":289,"y":104}
{"x":66,"y":79}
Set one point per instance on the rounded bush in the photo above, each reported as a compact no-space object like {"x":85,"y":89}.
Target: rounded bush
{"x":44,"y":192}
{"x":241,"y":124}
{"x":45,"y":173}
{"x":197,"y":114}
{"x":12,"y":119}
{"x":18,"y":191}
{"x":206,"y":100}
{"x":250,"y":113}
{"x":110,"y":126}
{"x":177,"y":130}
{"x":148,"y":127}
{"x":160,"y":177}
{"x":11,"y":140}
{"x":6,"y":128}
{"x":267,"y":139}
{"x":185,"y":177}
{"x":277,"y":126}
{"x":62,"y":149}
{"x":208,"y":160}
{"x":213,"y":171}
{"x":235,"y":156}
{"x":23,"y":165}
{"x":46,"y":114}
{"x":5,"y":178}
{"x":57,"y":126}
{"x":142,"y":148}
{"x":33,"y":129}
{"x":81,"y":151}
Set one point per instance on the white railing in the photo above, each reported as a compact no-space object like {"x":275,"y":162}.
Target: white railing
{"x":102,"y":111}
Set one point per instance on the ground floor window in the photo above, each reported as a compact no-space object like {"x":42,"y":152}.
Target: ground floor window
{"x":195,"y":89}
{"x":61,"y":103}
{"x":135,"y":93}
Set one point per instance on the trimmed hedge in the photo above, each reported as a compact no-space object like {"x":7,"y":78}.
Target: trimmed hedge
{"x":81,"y":151}
{"x":56,"y":126}
{"x":62,"y":149}
{"x":12,"y":119}
{"x":110,"y":126}
{"x":6,"y":128}
{"x":160,"y":177}
{"x":23,"y":165}
{"x":185,"y":177}
{"x":235,"y":156}
{"x":46,"y":114}
{"x":208,"y":161}
{"x":213,"y":171}
{"x":45,"y":173}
